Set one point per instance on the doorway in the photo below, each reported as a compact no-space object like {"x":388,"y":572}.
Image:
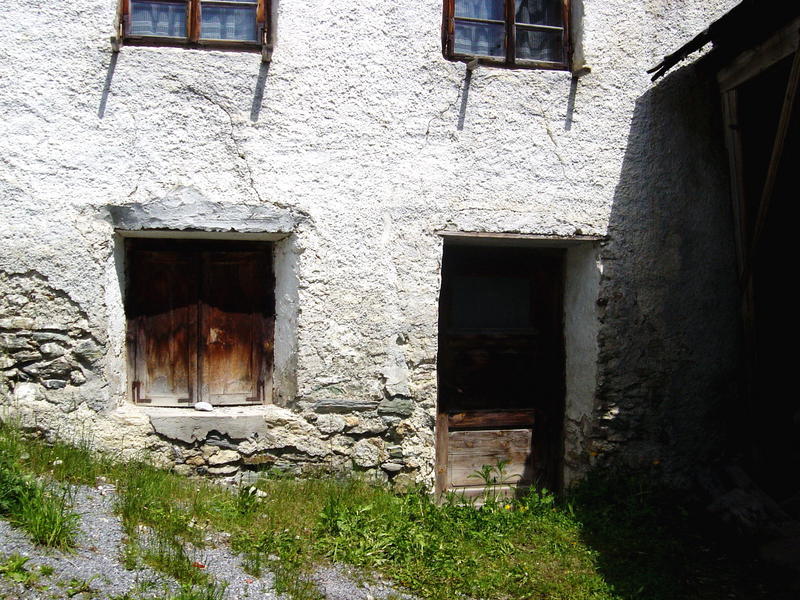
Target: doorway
{"x":500,"y":368}
{"x":200,"y":321}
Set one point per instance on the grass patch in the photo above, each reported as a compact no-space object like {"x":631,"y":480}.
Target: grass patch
{"x":614,"y":538}
{"x":186,"y":592}
{"x":42,"y":510}
{"x":658,"y":543}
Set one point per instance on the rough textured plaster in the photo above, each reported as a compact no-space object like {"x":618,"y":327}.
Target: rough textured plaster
{"x":580,"y":344}
{"x":360,"y":128}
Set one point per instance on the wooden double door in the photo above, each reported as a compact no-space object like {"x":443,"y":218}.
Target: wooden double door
{"x":200,"y":321}
{"x":500,"y":368}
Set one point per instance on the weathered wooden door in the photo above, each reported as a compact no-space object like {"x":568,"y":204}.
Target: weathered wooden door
{"x":162,"y":326}
{"x":235,"y":348}
{"x":501,"y":369}
{"x":200,"y":324}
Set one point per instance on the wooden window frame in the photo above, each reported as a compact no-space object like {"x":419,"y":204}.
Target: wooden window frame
{"x":509,"y":61}
{"x":266,"y":20}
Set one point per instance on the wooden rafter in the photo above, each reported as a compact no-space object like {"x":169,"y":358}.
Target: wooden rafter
{"x":785,"y":120}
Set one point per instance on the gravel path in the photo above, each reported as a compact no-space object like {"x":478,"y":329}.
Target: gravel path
{"x":96,"y":562}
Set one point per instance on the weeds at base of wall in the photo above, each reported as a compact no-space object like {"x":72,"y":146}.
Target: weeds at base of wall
{"x":40,"y":508}
{"x":613,"y":539}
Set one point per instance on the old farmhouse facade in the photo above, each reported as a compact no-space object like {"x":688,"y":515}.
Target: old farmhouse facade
{"x":406,"y":238}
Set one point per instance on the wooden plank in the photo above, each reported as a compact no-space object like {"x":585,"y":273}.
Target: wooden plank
{"x":733,"y":142}
{"x":463,"y":469}
{"x":163,"y":318}
{"x":478,"y":494}
{"x":497,"y":440}
{"x":487,"y":419}
{"x":758,"y":59}
{"x":441,"y":454}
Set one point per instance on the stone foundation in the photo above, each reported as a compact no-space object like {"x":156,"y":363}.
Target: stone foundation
{"x":45,"y":343}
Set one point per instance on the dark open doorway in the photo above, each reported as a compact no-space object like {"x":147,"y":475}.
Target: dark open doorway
{"x":501,"y":367}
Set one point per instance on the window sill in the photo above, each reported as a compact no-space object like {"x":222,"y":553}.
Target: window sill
{"x":234,"y":422}
{"x":156,"y":42}
{"x":501,"y":63}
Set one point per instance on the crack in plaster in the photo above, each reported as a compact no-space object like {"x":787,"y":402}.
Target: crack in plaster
{"x":441,"y":113}
{"x":243,"y":156}
{"x":236,"y":143}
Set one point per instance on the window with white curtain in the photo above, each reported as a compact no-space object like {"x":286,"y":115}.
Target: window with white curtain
{"x":512,"y":33}
{"x":215,"y":23}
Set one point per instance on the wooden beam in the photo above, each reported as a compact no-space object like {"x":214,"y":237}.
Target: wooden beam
{"x":733,"y":142}
{"x":488,"y":419}
{"x":441,"y":454}
{"x":759,"y":58}
{"x":787,"y":112}
{"x":193,"y":20}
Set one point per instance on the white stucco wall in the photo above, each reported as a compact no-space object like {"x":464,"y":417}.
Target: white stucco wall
{"x":358,"y":128}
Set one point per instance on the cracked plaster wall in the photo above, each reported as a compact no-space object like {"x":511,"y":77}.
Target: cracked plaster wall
{"x":363,"y":131}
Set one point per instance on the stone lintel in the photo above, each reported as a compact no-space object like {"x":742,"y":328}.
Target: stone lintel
{"x":186,"y":209}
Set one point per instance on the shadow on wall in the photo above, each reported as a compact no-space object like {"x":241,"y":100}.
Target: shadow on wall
{"x":255,"y":108}
{"x":669,"y":335}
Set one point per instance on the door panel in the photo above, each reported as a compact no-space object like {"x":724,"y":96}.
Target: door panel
{"x":165,"y":324}
{"x":469,"y":451}
{"x":233,"y":326}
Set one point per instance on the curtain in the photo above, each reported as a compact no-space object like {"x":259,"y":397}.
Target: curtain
{"x":229,"y":22}
{"x":483,"y":39}
{"x":537,"y":44}
{"x":164,"y":19}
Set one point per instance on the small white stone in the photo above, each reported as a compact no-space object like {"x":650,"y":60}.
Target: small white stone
{"x":223,"y":470}
{"x":204,"y":406}
{"x":330,"y":423}
{"x":367,"y":453}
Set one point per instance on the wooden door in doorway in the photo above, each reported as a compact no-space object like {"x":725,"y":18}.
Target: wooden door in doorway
{"x":501,"y":369}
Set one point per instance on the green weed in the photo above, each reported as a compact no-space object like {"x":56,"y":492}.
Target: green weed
{"x":44,"y":513}
{"x":42,"y":510}
{"x":168,"y":554}
{"x":613,"y":538}
{"x":81,"y":586}
{"x":209,"y":591}
{"x":13,"y":568}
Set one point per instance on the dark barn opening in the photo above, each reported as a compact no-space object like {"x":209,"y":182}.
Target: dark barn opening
{"x":771,"y":420}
